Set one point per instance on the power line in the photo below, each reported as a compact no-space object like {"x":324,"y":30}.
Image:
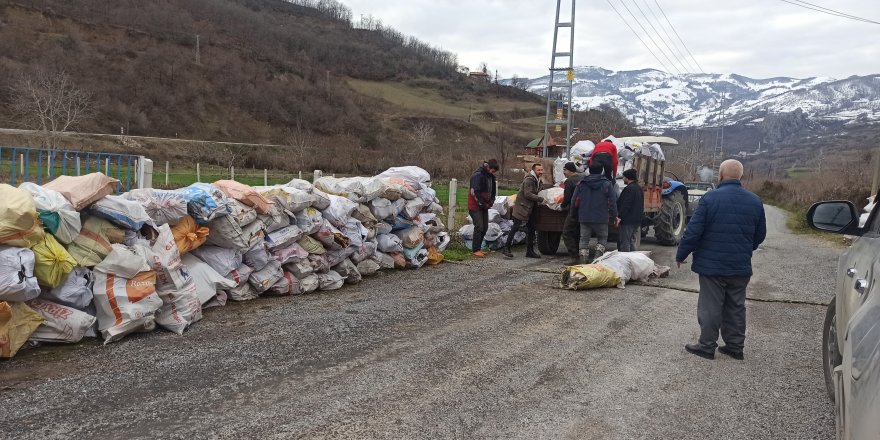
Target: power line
{"x":678,"y":52}
{"x":637,"y":36}
{"x":651,"y":23}
{"x":650,"y":37}
{"x":828,"y":11}
{"x":679,"y":36}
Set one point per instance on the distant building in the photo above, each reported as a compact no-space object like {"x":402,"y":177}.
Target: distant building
{"x":479,"y":74}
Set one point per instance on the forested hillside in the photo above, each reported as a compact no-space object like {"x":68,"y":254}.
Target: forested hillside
{"x":295,"y":73}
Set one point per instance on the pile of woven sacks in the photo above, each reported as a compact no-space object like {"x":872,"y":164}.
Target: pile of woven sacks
{"x":500,"y":226}
{"x":77,"y":260}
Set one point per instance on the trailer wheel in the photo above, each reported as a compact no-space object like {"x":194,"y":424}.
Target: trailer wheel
{"x":669,"y":225}
{"x":548,"y":242}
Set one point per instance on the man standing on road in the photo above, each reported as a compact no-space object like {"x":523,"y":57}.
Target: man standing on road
{"x":594,"y":203}
{"x":630,"y":210}
{"x":726,"y":228}
{"x":524,"y":210}
{"x":571,"y":231}
{"x":481,"y":196}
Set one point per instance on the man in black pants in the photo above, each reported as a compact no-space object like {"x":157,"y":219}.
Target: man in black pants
{"x":630,"y":210}
{"x":571,"y":231}
{"x":524,"y":211}
{"x":481,"y":196}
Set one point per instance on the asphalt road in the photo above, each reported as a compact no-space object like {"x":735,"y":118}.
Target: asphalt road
{"x":486,"y":349}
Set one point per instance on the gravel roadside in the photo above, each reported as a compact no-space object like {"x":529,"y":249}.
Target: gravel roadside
{"x":475,"y":350}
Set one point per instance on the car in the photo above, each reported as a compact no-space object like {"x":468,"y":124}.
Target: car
{"x":695,"y":192}
{"x":851,"y":330}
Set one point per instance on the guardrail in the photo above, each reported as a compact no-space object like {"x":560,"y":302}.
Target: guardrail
{"x":39,"y":165}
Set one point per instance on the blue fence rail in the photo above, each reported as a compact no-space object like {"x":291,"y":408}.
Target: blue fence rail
{"x":40,"y":165}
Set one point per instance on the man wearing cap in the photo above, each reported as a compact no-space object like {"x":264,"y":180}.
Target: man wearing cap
{"x":571,"y":231}
{"x":726,"y":228}
{"x":481,"y":196}
{"x":630,"y":210}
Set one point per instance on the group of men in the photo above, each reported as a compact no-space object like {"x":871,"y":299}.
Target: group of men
{"x":591,"y":201}
{"x":726,"y":228}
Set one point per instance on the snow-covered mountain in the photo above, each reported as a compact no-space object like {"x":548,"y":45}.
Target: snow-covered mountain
{"x":659,"y":100}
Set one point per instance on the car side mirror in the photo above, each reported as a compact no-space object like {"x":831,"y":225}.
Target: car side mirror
{"x":837,"y":216}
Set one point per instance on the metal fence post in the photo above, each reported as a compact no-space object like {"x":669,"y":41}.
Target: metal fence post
{"x":265,"y":177}
{"x":453,"y":198}
{"x":77,"y":165}
{"x":166,"y":172}
{"x":198,"y":172}
{"x":145,"y":172}
{"x":107,"y":166}
{"x":231,"y":172}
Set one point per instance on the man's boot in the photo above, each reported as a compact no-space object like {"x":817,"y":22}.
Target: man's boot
{"x":530,"y":247}
{"x":584,"y":255}
{"x":599,"y":251}
{"x":507,"y":253}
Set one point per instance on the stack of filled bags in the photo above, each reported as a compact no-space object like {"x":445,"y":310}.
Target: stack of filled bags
{"x":500,"y":226}
{"x":77,"y":261}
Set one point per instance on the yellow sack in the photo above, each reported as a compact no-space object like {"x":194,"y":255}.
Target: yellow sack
{"x":53,"y":262}
{"x":19,"y":224}
{"x":434,"y":257}
{"x":94,"y":241}
{"x":17,"y":322}
{"x":588,"y":276}
{"x":188,"y":234}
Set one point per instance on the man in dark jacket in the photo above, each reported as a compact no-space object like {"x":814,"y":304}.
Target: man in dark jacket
{"x":524,"y":210}
{"x":630,"y":210}
{"x":481,"y":197}
{"x":726,"y":228}
{"x":595,"y":203}
{"x":571,"y":230}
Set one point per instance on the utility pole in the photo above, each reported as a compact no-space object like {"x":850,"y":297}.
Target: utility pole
{"x":198,"y":55}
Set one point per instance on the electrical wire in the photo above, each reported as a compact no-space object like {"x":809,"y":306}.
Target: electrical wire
{"x":678,"y":36}
{"x":828,"y":11}
{"x":637,"y":36}
{"x":678,"y":52}
{"x":651,"y":23}
{"x":662,"y":52}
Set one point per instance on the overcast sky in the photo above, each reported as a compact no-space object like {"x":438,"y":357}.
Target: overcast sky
{"x":756,"y":38}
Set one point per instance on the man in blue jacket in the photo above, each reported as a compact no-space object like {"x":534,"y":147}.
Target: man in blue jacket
{"x":594,"y":203}
{"x":726,"y":228}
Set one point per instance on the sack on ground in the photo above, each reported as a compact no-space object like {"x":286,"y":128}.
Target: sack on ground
{"x":52,"y":262}
{"x":309,"y":220}
{"x":364,"y":251}
{"x":275,"y":219}
{"x":283,"y":237}
{"x":300,"y":269}
{"x":383,"y":209}
{"x":240,"y":275}
{"x":364,"y":216}
{"x":368,"y":267}
{"x":418,"y":259}
{"x":125,"y":294}
{"x":493,"y":232}
{"x":385,"y":261}
{"x":17,"y":323}
{"x":19,"y":224}
{"x":339,"y":211}
{"x":60,"y":323}
{"x":55,"y":212}
{"x":188,"y":234}
{"x":287,"y":285}
{"x":310,"y":283}
{"x":17,"y":280}
{"x":588,"y":276}
{"x":319,"y":263}
{"x":411,"y":238}
{"x":288,"y":197}
{"x":176,"y":287}
{"x":205,"y":202}
{"x":244,"y":292}
{"x":226,"y":232}
{"x":290,"y":254}
{"x":466,"y":232}
{"x":434,"y":256}
{"x":312,"y":246}
{"x":163,"y":206}
{"x":222,"y":260}
{"x":348,"y":270}
{"x":75,"y":291}
{"x":208,"y":281}
{"x":389,"y":243}
{"x":82,"y":191}
{"x":263,"y":279}
{"x":322,"y":200}
{"x":244,"y":194}
{"x":330,"y":281}
{"x":95,"y":241}
{"x":257,"y":257}
{"x":122,"y":212}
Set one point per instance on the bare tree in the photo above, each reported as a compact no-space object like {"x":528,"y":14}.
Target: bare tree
{"x":49,"y":102}
{"x":300,"y":140}
{"x":519,"y":82}
{"x":483,"y":67}
{"x":422,"y":136}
